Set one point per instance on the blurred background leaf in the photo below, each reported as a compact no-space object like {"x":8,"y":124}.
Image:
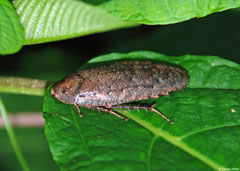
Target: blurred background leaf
{"x":11,"y":30}
{"x":202,"y":115}
{"x":52,"y":20}
{"x":160,"y":11}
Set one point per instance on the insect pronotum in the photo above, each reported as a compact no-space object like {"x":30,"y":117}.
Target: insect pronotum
{"x":111,"y":86}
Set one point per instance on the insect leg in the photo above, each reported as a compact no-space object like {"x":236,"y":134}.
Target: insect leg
{"x":156,"y":111}
{"x":152,"y":108}
{"x":107,"y":110}
{"x":75,"y":105}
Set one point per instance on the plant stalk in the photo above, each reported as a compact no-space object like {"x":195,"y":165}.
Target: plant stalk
{"x":13,"y":138}
{"x":26,"y":86}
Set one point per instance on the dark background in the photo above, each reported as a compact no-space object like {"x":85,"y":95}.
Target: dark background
{"x":217,"y":34}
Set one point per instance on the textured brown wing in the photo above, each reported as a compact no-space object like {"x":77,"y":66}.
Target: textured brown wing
{"x":125,"y":82}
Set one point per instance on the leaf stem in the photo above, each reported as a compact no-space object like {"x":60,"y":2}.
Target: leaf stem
{"x":13,"y":138}
{"x":23,"y":86}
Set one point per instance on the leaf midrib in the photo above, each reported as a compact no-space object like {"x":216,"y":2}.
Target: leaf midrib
{"x":177,"y":141}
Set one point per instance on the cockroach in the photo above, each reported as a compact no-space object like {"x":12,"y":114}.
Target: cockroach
{"x":112,"y":86}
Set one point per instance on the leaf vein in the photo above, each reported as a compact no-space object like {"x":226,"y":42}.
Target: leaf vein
{"x":204,"y":130}
{"x":150,"y":152}
{"x":174,"y":141}
{"x":81,"y":136}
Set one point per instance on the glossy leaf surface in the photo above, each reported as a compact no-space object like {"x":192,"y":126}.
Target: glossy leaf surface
{"x":204,"y":136}
{"x":11,"y":30}
{"x":163,"y":11}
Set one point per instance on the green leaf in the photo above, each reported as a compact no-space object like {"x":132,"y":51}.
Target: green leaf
{"x":161,"y":11}
{"x":50,"y":20}
{"x":205,"y":134}
{"x":11,"y":30}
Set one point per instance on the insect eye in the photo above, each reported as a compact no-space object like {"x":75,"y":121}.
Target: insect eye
{"x":64,"y":91}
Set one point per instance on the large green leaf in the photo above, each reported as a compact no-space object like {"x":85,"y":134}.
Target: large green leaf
{"x":50,"y":20}
{"x":205,"y":134}
{"x":11,"y":30}
{"x":163,"y":11}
